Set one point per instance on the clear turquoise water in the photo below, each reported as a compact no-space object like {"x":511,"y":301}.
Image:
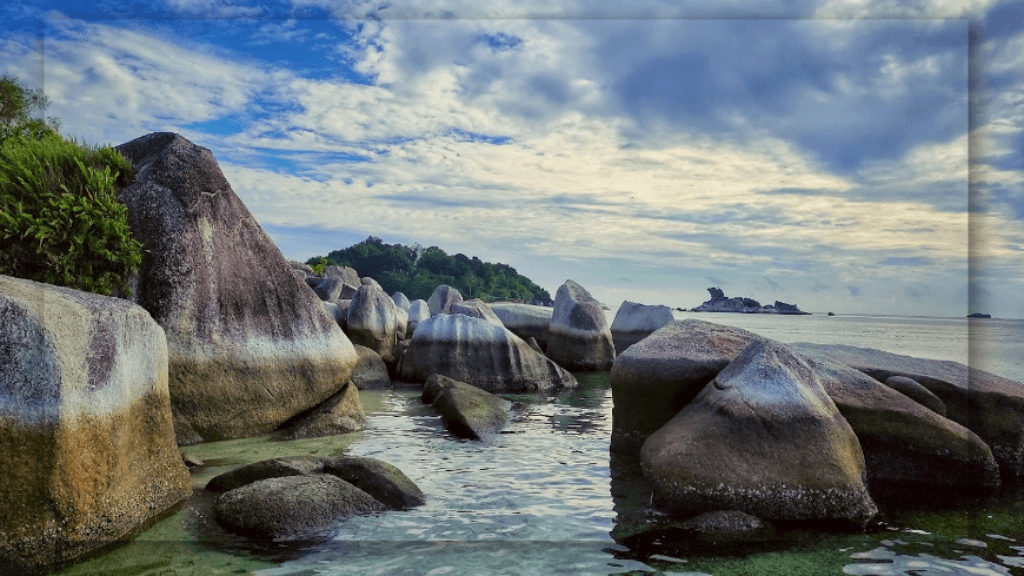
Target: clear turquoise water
{"x":545,"y":497}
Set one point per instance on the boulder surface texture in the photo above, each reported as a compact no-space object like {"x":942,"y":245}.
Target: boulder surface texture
{"x":763,"y":438}
{"x":658,"y":376}
{"x":440,"y":302}
{"x":633,"y":322}
{"x":580,"y":338}
{"x":249,"y":344}
{"x":340,"y":414}
{"x":476,"y":352}
{"x":372,"y":321}
{"x":86,"y":436}
{"x":988,"y":405}
{"x":525,"y":320}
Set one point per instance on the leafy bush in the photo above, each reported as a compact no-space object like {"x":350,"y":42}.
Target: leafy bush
{"x":60,"y":219}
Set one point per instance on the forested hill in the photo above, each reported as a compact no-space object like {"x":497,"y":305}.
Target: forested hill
{"x":417,"y":271}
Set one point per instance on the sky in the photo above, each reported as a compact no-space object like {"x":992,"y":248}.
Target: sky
{"x":855,"y":156}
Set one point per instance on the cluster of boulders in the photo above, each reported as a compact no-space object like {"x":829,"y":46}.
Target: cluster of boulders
{"x":719,"y":302}
{"x":723,"y":419}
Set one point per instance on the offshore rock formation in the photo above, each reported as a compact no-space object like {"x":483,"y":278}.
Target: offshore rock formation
{"x":720,"y":303}
{"x":249,"y":344}
{"x":476,"y":352}
{"x":86,"y":434}
{"x":467,"y":411}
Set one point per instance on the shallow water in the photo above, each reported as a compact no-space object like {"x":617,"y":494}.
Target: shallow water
{"x":546,"y":497}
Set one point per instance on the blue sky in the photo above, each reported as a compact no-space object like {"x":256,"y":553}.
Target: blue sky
{"x":856,"y":156}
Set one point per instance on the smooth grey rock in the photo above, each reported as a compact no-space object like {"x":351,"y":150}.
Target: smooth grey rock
{"x":418,"y":312}
{"x":344,"y":273}
{"x":467,"y":411}
{"x":329,"y":289}
{"x":370,"y":373}
{"x":292,"y":507}
{"x":249,"y":345}
{"x":477,"y":352}
{"x":273,"y":468}
{"x":580,"y":338}
{"x":440,"y":302}
{"x":306,"y":269}
{"x":911,"y":389}
{"x":401,"y":323}
{"x":655,"y":378}
{"x":87,"y":444}
{"x":367,"y":281}
{"x":340,"y":414}
{"x":904,"y":443}
{"x":476,"y":308}
{"x":372,"y":322}
{"x":763,"y":438}
{"x":990,"y":406}
{"x":401,"y":300}
{"x":389,"y":485}
{"x":525,"y":320}
{"x":633,"y":322}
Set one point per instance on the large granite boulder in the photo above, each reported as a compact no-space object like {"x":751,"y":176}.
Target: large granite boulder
{"x":273,"y":468}
{"x":763,"y":438}
{"x":346,"y":274}
{"x":418,"y":312}
{"x":86,"y":435}
{"x":476,"y":352}
{"x":580,"y":337}
{"x":990,"y":406}
{"x":656,"y":377}
{"x":911,"y":389}
{"x":633,"y":322}
{"x":372,"y":322}
{"x":306,"y":269}
{"x":467,"y":411}
{"x":340,"y":414}
{"x":292,"y":507}
{"x":329,"y":289}
{"x":401,"y":300}
{"x":249,"y":345}
{"x":370,"y":372}
{"x":440,"y":302}
{"x":905,"y":444}
{"x":476,"y":308}
{"x":525,"y":320}
{"x":401,"y":323}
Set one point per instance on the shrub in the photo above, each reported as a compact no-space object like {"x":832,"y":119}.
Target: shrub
{"x":60,"y":219}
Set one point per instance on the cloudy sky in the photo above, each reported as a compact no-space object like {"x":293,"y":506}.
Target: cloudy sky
{"x":859,"y":156}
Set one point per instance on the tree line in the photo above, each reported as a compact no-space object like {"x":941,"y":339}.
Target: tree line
{"x":416,"y":271}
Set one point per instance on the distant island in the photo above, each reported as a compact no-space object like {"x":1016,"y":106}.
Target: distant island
{"x":721,"y":303}
{"x":979,"y":315}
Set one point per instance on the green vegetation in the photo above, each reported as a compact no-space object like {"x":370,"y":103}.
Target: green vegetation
{"x":60,"y":220}
{"x":417,"y":271}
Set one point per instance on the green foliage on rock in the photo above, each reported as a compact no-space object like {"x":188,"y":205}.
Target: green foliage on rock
{"x":417,"y":271}
{"x":60,"y":220}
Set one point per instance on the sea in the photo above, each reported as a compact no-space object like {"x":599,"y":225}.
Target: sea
{"x":546,"y":497}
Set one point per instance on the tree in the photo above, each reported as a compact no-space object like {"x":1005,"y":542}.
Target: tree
{"x":17,"y":103}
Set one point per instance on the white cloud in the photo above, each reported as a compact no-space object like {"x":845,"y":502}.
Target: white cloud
{"x":903,"y":8}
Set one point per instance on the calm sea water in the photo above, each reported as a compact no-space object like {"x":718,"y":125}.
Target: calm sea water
{"x":545,"y":497}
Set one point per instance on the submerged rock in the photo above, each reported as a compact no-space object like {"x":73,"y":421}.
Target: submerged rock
{"x":467,"y":411}
{"x":292,"y":507}
{"x":385,"y":482}
{"x":763,"y":438}
{"x":477,"y":352}
{"x":249,"y":345}
{"x":87,"y":438}
{"x":580,"y":337}
{"x":633,"y":322}
{"x":273,"y":468}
